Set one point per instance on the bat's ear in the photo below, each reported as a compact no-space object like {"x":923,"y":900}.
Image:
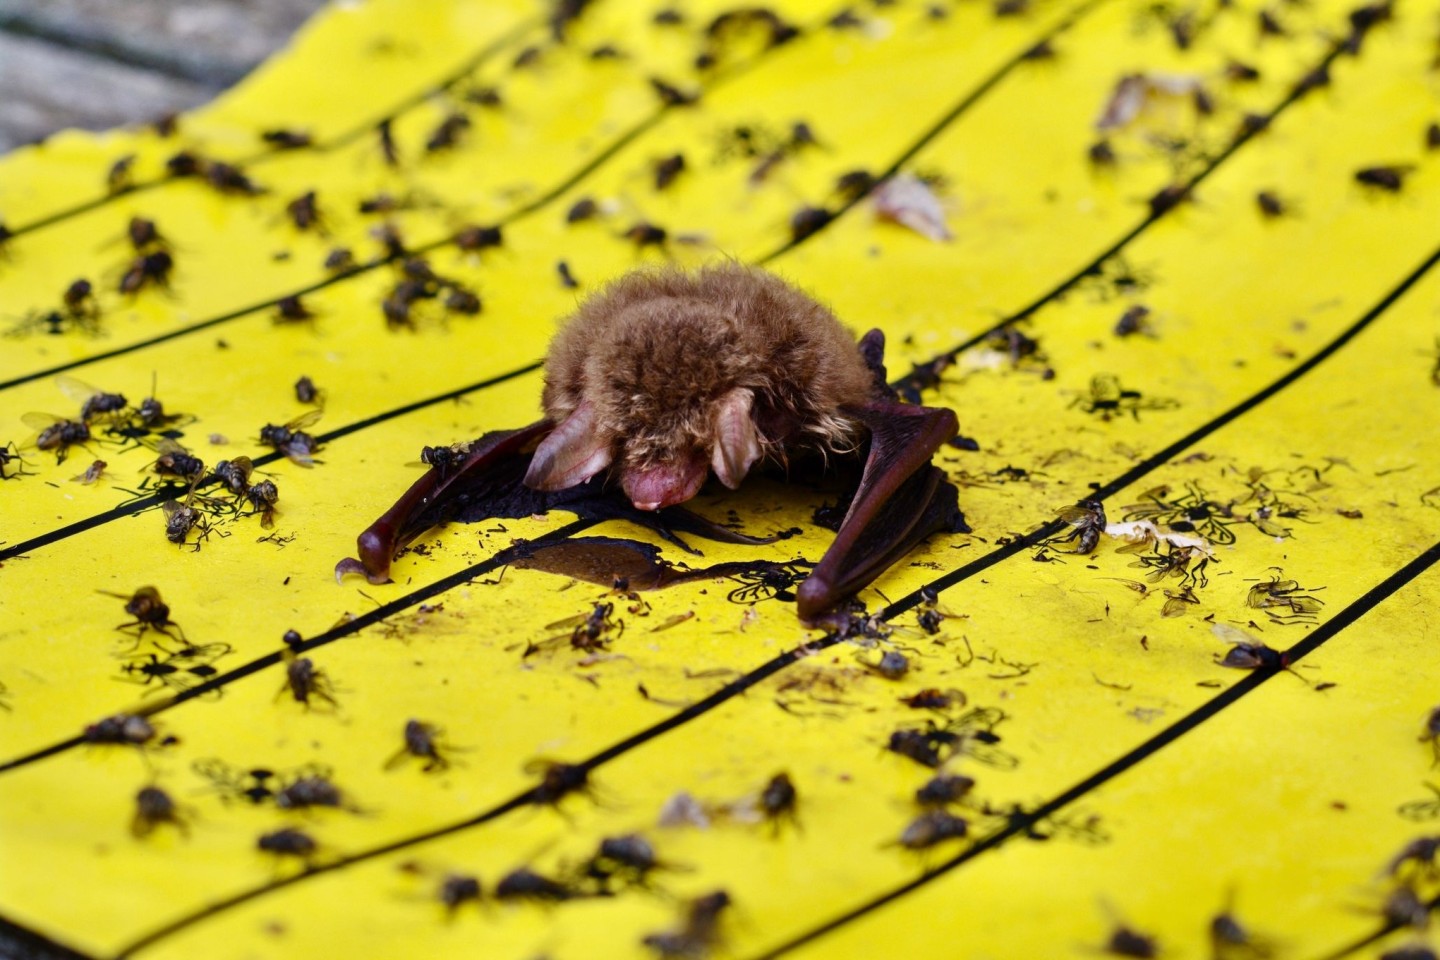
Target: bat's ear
{"x":737,"y":442}
{"x":573,"y":453}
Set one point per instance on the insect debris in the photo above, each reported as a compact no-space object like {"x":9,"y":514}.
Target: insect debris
{"x":178,"y":670}
{"x":698,"y":933}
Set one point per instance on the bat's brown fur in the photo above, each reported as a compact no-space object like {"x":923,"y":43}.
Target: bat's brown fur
{"x":657,"y":350}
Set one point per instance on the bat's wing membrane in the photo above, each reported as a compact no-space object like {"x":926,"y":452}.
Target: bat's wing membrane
{"x":407,"y":518}
{"x":901,"y":499}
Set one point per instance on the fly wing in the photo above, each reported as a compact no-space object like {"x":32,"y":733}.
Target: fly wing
{"x":404,"y":521}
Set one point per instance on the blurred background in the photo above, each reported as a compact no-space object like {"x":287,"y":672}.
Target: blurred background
{"x":96,"y":64}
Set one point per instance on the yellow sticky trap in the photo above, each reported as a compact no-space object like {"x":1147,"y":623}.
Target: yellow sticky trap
{"x":1172,"y":268}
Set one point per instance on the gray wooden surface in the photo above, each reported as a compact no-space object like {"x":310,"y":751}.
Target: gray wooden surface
{"x":102,"y":63}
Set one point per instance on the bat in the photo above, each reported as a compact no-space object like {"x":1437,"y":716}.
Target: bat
{"x":667,"y":376}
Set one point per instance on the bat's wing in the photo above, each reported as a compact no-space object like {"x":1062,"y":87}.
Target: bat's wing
{"x":414,"y":512}
{"x":901,"y":499}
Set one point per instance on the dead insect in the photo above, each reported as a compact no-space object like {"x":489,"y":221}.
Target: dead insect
{"x":291,"y":440}
{"x":180,"y":519}
{"x":1125,"y":942}
{"x":122,"y":728}
{"x":228,"y":178}
{"x":282,"y":139}
{"x":668,"y":169}
{"x":1087,"y":520}
{"x":304,"y":681}
{"x":10,"y":454}
{"x":1404,"y":908}
{"x":645,"y":234}
{"x":1269,"y":26}
{"x":663,"y":429}
{"x":92,"y":473}
{"x":583,"y":209}
{"x":144,"y":235}
{"x":1134,"y":320}
{"x":933,"y":699}
{"x":778,"y":800}
{"x":893,"y":665}
{"x":175,"y":461}
{"x":526,"y":884}
{"x":1432,"y":136}
{"x":150,"y":613}
{"x":479,"y":238}
{"x":1101,"y":154}
{"x":921,"y":746}
{"x":1168,"y":198}
{"x":853,"y":185}
{"x":932,"y":827}
{"x":149,"y":268}
{"x":291,"y":310}
{"x":567,"y":279}
{"x":309,"y":791}
{"x":422,"y":742}
{"x":462,"y":301}
{"x":234,"y":475}
{"x":263,"y":497}
{"x":557,"y":780}
{"x":1388,"y":178}
{"x":79,"y":300}
{"x":1270,"y":204}
{"x":671,"y":95}
{"x":447,"y":134}
{"x":698,"y":934}
{"x":458,"y":889}
{"x":1432,"y":733}
{"x":807,"y":221}
{"x":1414,"y":951}
{"x":57,"y":433}
{"x":1420,"y":853}
{"x":339,"y":260}
{"x":306,"y":391}
{"x":943,"y":789}
{"x":183,"y":164}
{"x":1247,"y":653}
{"x":94,"y":402}
{"x":444,"y":459}
{"x":288,"y":842}
{"x":119,"y":177}
{"x":153,"y":807}
{"x":304,"y":212}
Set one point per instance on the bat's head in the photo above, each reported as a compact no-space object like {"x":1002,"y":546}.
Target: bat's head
{"x":665,"y":376}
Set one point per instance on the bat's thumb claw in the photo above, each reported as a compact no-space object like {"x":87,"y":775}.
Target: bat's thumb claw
{"x":348,"y":566}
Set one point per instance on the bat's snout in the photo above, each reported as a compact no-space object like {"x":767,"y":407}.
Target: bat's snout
{"x":665,"y":484}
